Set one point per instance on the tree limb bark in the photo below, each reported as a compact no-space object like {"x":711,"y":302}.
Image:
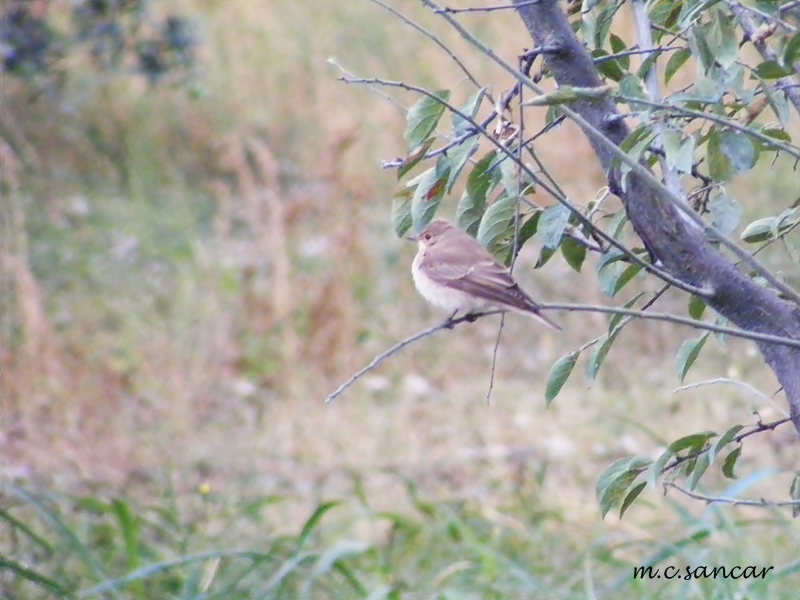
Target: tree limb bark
{"x":679,"y":246}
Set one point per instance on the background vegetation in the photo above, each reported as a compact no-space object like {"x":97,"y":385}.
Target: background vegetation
{"x":196,"y":249}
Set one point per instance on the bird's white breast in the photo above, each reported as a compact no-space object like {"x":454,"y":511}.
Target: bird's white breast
{"x":438,"y":294}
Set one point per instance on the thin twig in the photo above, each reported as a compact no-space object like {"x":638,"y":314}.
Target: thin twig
{"x":454,"y":11}
{"x":733,"y":501}
{"x":446,"y":324}
{"x":433,"y":38}
{"x":670,"y":318}
{"x":753,"y":390}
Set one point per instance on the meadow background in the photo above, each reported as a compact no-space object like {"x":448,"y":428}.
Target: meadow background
{"x":188,"y":268}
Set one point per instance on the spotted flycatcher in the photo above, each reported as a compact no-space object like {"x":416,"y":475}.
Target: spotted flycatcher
{"x":453,"y":271}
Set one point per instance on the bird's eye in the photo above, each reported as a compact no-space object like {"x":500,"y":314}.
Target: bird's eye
{"x":427,"y":236}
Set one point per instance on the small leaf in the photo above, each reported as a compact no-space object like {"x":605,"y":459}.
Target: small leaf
{"x":771,"y":69}
{"x":401,"y":211}
{"x":496,"y":221}
{"x":609,"y":67}
{"x":778,"y":134}
{"x":719,"y":166}
{"x":725,"y":213}
{"x":618,"y":46}
{"x":730,"y":462}
{"x":722,"y":40}
{"x":558,"y":375}
{"x":414,"y":157}
{"x":483,"y":177}
{"x":725,"y":439}
{"x":423,"y":117}
{"x":632,"y":87}
{"x":739,"y":148}
{"x":427,"y":196}
{"x":459,"y":156}
{"x":758,"y":231}
{"x":792,"y":51}
{"x":700,"y":467}
{"x":552,"y":223}
{"x":657,"y":469}
{"x":631,"y":497}
{"x":794,"y":493}
{"x":696,"y":307}
{"x":574,"y":253}
{"x":692,"y":442}
{"x":544,"y":257}
{"x":688,"y":353}
{"x":462,"y":125}
{"x":615,"y":481}
{"x":675,"y":62}
{"x":598,"y":355}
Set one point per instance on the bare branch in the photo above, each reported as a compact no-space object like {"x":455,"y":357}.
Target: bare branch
{"x":733,"y":501}
{"x":446,"y":324}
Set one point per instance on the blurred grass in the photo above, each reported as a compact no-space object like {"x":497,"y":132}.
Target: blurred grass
{"x":190,"y":270}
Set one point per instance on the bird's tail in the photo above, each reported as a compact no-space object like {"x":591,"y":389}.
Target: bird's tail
{"x":536,"y":314}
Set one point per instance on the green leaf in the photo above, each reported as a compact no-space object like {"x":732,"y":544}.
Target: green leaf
{"x":794,"y":493}
{"x":462,"y":125}
{"x":778,"y":134}
{"x":719,"y":166}
{"x":423,"y":117}
{"x":558,"y":375}
{"x":618,"y":46}
{"x":657,"y":469}
{"x":693,"y":442}
{"x":675,"y":62}
{"x":631,"y":498}
{"x":427,"y":196}
{"x":401,"y":210}
{"x":459,"y":157}
{"x":567,"y":94}
{"x":740,"y":149}
{"x":614,"y":482}
{"x":632,"y":87}
{"x":483,"y":178}
{"x":722,"y":40}
{"x":414,"y":157}
{"x":701,"y":465}
{"x":792,"y":51}
{"x":758,"y":231}
{"x":610,"y":67}
{"x":496,"y":221}
{"x":771,"y":69}
{"x":696,"y":307}
{"x":725,"y":439}
{"x":688,"y":353}
{"x":730,"y":462}
{"x":574,"y":253}
{"x":552,"y":223}
{"x":598,"y":354}
{"x":614,"y":275}
{"x":725,"y":213}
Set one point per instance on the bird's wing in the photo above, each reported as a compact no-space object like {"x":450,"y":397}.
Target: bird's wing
{"x":485,"y":279}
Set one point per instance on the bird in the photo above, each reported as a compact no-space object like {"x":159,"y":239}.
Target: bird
{"x":453,"y":271}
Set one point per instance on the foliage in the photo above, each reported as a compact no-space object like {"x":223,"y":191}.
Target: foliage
{"x":90,"y":546}
{"x":705,"y":107}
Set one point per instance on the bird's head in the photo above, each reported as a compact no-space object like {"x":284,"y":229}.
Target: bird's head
{"x":435,"y":231}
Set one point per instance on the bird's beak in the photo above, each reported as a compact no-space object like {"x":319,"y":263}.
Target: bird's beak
{"x":413,"y":238}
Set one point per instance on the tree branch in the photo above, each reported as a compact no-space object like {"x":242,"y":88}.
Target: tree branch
{"x":654,"y":212}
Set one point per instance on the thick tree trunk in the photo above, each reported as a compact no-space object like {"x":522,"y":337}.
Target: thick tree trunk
{"x":676,"y":243}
